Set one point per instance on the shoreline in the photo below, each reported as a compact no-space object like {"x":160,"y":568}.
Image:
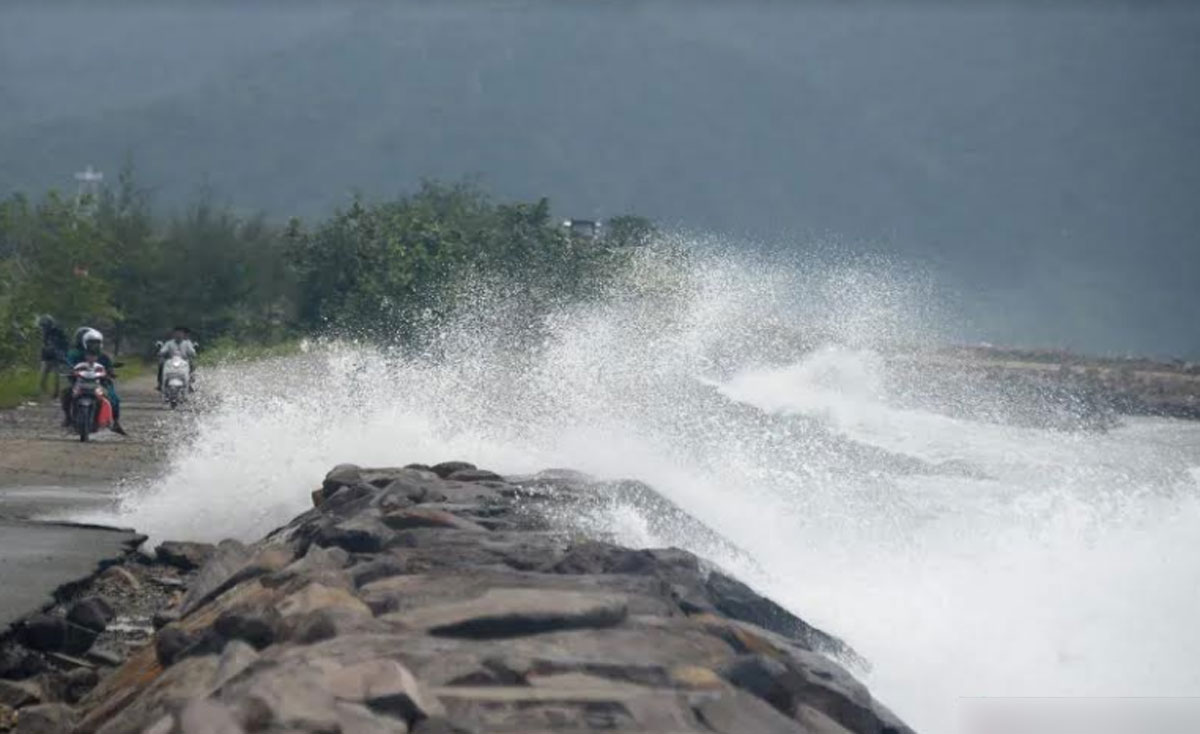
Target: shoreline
{"x":433,"y":599}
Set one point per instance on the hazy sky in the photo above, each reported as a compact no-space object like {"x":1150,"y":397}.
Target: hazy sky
{"x":1043,"y":159}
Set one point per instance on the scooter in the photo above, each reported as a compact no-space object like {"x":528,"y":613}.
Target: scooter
{"x":176,"y":380}
{"x":90,"y":409}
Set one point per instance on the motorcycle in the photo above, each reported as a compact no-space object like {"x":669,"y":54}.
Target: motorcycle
{"x":176,"y":380}
{"x":90,"y":408}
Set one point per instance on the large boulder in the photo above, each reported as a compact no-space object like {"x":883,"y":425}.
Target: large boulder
{"x":50,"y":633}
{"x":258,"y":626}
{"x":17,"y":694}
{"x":737,"y":600}
{"x":446,"y":468}
{"x":423,"y":517}
{"x":93,"y":613}
{"x":49,"y":718}
{"x":516,"y":612}
{"x":183,"y":555}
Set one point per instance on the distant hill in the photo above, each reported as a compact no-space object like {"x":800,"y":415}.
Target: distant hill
{"x":1042,"y":160}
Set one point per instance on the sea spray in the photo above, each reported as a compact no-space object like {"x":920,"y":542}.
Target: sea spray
{"x":961,"y":558}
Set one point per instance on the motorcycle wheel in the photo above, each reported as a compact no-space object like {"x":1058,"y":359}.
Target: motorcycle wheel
{"x":83,"y":424}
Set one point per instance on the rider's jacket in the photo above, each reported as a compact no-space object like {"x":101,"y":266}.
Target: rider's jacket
{"x":174,"y":348}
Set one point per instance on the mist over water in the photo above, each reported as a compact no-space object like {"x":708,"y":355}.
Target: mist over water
{"x":960,"y":558}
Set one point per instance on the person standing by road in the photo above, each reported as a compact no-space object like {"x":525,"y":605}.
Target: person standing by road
{"x":54,"y":351}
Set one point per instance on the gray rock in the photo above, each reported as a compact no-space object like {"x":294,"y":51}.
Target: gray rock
{"x":79,"y":682}
{"x":17,"y":694}
{"x":405,"y":492}
{"x":439,"y":725}
{"x":364,"y":533}
{"x":121,"y":578}
{"x":170,"y":643}
{"x":185,"y":556}
{"x":645,"y":595}
{"x":17,"y":663}
{"x":48,"y":633}
{"x":513,"y":612}
{"x":382,"y":477}
{"x":318,"y":597}
{"x":93,"y":613}
{"x":474,"y":475}
{"x":319,"y":559}
{"x":736,"y":712}
{"x":103,"y":655}
{"x":422,"y":517}
{"x":204,"y":716}
{"x":163,"y":617}
{"x":236,"y":657}
{"x":599,"y":557}
{"x":348,"y":500}
{"x":259,"y":626}
{"x":341,"y":475}
{"x":315,"y":626}
{"x":43,"y":632}
{"x":268,"y":560}
{"x":808,"y":679}
{"x":300,"y":687}
{"x":425,"y":549}
{"x":596,"y":706}
{"x":378,"y":568}
{"x":446,"y":468}
{"x":356,"y":718}
{"x":50,"y":718}
{"x":468,"y":492}
{"x":187,"y":680}
{"x":737,"y":600}
{"x":169,"y":582}
{"x":229,"y":557}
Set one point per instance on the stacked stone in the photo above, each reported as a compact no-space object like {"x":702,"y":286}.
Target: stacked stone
{"x":443,"y":599}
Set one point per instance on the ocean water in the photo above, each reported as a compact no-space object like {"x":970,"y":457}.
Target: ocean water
{"x":962,"y":559}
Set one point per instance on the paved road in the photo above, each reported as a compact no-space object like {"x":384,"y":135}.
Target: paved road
{"x":46,"y":471}
{"x":37,"y":558}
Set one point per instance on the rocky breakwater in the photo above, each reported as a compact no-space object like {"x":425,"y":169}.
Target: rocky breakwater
{"x":449,"y":599}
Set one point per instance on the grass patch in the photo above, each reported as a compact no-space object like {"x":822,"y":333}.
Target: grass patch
{"x":224,"y":352}
{"x":128,"y":370}
{"x":18,"y":385}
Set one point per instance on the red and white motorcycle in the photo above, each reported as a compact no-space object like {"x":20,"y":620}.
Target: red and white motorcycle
{"x":90,"y":408}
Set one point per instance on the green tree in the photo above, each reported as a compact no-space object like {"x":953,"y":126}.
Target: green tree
{"x":133,"y":263}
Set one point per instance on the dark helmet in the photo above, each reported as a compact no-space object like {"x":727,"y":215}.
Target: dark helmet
{"x":44,"y":321}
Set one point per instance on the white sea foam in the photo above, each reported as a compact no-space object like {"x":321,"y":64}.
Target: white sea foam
{"x":1056,"y":564}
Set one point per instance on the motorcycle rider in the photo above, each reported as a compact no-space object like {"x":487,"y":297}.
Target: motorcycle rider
{"x":179,"y":345}
{"x":90,"y":347}
{"x":54,"y":351}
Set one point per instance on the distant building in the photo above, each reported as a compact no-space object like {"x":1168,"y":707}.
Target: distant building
{"x":89,"y":184}
{"x":586,"y":229}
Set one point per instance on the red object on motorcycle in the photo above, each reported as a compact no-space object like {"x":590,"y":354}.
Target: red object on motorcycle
{"x":104,"y":415}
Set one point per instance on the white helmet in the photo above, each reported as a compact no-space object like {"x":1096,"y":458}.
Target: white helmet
{"x":89,"y":336}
